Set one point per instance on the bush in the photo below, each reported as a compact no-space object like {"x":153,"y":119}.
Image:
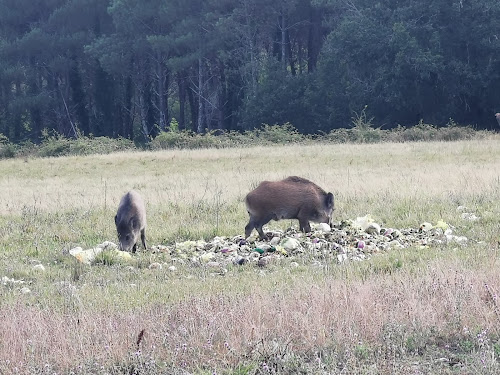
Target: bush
{"x":53,"y":145}
{"x":57,"y":145}
{"x":268,"y":134}
{"x":428,"y":132}
{"x":279,"y":134}
{"x":100,"y":145}
{"x":7,"y":149}
{"x":419,"y":132}
{"x":361,"y":131}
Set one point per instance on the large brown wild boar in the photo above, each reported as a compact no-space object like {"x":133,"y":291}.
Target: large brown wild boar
{"x":291,"y":198}
{"x":130,"y":220}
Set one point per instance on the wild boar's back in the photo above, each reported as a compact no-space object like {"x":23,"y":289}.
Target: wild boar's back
{"x":291,"y":198}
{"x":284,"y":198}
{"x":131,"y":205}
{"x":130,"y":221}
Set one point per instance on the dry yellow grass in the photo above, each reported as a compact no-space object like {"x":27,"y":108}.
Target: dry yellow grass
{"x":424,"y":169}
{"x":381,"y":316}
{"x":392,"y":316}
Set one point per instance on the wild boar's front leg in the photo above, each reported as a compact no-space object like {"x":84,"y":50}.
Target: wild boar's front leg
{"x":261,"y":232}
{"x":304,"y":223}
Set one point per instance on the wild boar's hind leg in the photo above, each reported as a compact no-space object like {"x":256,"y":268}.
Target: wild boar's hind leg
{"x":249,"y":227}
{"x":257,"y":224}
{"x":143,"y":238}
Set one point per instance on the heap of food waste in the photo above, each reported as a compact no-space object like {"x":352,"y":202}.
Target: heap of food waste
{"x":349,"y":240}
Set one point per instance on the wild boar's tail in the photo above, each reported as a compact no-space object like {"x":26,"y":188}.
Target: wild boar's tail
{"x":247,"y":204}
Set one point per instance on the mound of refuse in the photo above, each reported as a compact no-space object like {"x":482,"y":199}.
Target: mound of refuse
{"x":349,"y":240}
{"x":88,"y":256}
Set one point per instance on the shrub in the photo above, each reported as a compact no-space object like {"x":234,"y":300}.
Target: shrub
{"x":53,"y":145}
{"x":419,"y":132}
{"x":7,"y":149}
{"x":428,"y":132}
{"x":361,"y":131}
{"x":99,"y":145}
{"x":268,"y":134}
{"x":167,"y":140}
{"x":279,"y":134}
{"x":453,"y":132}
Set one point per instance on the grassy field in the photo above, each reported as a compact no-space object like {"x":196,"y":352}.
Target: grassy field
{"x":409,"y":311}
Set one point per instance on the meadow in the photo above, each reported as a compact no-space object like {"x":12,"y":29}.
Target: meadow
{"x":406,"y":311}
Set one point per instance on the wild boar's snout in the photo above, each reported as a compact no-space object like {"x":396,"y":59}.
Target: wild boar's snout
{"x":130,"y":221}
{"x":330,"y":207}
{"x":291,"y":198}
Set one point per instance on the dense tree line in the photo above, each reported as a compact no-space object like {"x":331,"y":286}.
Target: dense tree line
{"x":128,"y":67}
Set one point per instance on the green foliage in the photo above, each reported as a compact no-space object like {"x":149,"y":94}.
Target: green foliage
{"x":467,"y":345}
{"x":362,"y":352}
{"x":427,"y":132}
{"x":106,"y":258}
{"x":362,"y":131}
{"x":126,"y":69}
{"x":54,"y":144}
{"x":189,"y":140}
{"x":496,"y":349}
{"x":267,"y":134}
{"x":279,"y":134}
{"x":174,"y":125}
{"x":7,"y":149}
{"x":406,"y":69}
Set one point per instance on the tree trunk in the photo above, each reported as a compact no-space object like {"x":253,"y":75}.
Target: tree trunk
{"x":193,"y":105}
{"x":53,"y":93}
{"x":289,"y":53}
{"x":221,"y":96}
{"x":283,"y":39}
{"x":201,"y":112}
{"x":162,"y":95}
{"x":4,"y":108}
{"x":181,"y":83}
{"x":17,"y":114}
{"x":35,"y":112}
{"x":313,"y":38}
{"x":128,"y":119}
{"x":79,"y":111}
{"x":143,"y":113}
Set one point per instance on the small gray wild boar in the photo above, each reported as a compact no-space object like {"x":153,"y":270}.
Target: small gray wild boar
{"x":291,"y":198}
{"x":130,"y":220}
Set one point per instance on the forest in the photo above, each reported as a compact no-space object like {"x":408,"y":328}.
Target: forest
{"x":132,"y":68}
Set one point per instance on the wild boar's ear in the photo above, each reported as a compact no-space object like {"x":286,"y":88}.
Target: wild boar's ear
{"x":134,"y":223}
{"x":329,"y":200}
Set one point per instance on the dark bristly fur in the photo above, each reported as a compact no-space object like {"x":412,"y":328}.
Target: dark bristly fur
{"x":291,"y":198}
{"x":130,"y":221}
